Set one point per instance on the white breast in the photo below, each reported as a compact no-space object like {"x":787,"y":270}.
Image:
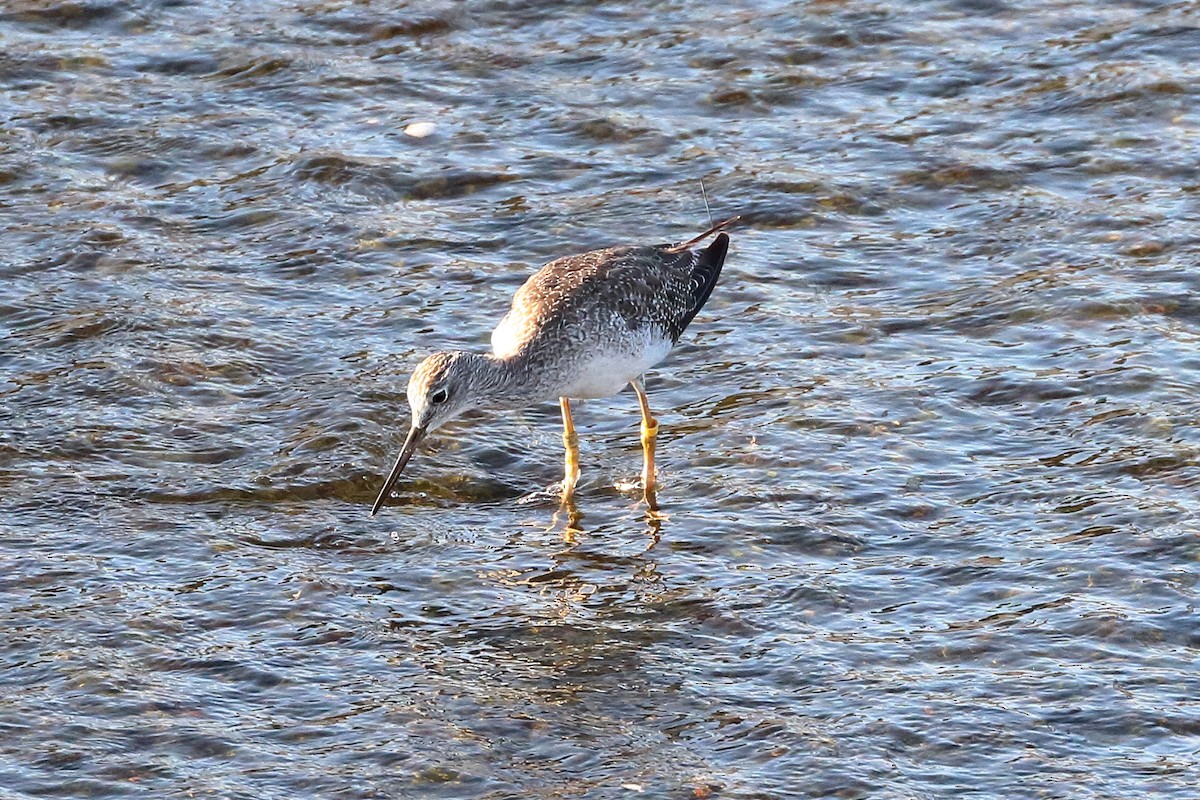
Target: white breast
{"x":606,"y":372}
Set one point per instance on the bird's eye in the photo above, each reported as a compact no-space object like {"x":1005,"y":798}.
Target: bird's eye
{"x":438,"y":397}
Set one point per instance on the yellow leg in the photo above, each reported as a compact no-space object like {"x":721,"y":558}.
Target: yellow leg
{"x":649,"y":434}
{"x":571,"y":445}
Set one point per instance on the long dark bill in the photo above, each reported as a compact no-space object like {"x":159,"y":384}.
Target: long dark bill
{"x":410,"y":446}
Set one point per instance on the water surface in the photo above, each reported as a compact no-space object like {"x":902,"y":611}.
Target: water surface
{"x":929,"y":457}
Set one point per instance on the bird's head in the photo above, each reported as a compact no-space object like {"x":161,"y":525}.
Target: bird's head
{"x":441,"y":388}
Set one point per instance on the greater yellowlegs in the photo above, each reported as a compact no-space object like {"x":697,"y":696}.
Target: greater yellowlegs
{"x":582,"y":326}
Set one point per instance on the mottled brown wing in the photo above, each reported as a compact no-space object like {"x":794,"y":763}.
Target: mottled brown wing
{"x":643,"y":286}
{"x":559,"y":295}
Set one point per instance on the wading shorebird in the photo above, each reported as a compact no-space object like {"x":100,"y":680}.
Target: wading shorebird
{"x":582,"y":326}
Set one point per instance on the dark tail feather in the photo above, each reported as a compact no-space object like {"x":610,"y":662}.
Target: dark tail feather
{"x":704,"y":277}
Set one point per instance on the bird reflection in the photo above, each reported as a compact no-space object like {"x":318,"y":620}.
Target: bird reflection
{"x":570,"y":518}
{"x":568,"y":521}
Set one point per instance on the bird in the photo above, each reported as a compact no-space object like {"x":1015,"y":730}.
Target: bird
{"x":582,"y":326}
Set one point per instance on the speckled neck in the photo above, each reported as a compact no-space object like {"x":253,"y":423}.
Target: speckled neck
{"x":510,"y":382}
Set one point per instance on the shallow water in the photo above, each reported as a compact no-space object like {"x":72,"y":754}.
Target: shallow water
{"x":929,"y":457}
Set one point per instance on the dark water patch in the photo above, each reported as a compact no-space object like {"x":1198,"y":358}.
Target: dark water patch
{"x":455,"y":184}
{"x":124,"y":152}
{"x":69,"y":122}
{"x":791,"y":87}
{"x":1170,"y":42}
{"x":1115,"y":90}
{"x":23,"y":72}
{"x":422,"y":244}
{"x":778,"y":217}
{"x":799,"y":538}
{"x":87,"y":325}
{"x":608,"y":129}
{"x":1008,"y":391}
{"x":734,"y":96}
{"x":225,"y":670}
{"x":775,"y":202}
{"x":242,"y":71}
{"x":181,"y":63}
{"x":968,"y":177}
{"x":364,"y":29}
{"x":795,"y":56}
{"x":1165,"y":465}
{"x":387,"y":181}
{"x":241,"y":219}
{"x":140,"y":169}
{"x":13,"y":174}
{"x":480,"y":62}
{"x":71,"y":15}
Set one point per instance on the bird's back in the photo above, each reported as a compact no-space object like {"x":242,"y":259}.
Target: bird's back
{"x":611,"y":296}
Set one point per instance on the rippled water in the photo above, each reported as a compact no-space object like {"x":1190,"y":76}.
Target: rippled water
{"x":929,"y":456}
